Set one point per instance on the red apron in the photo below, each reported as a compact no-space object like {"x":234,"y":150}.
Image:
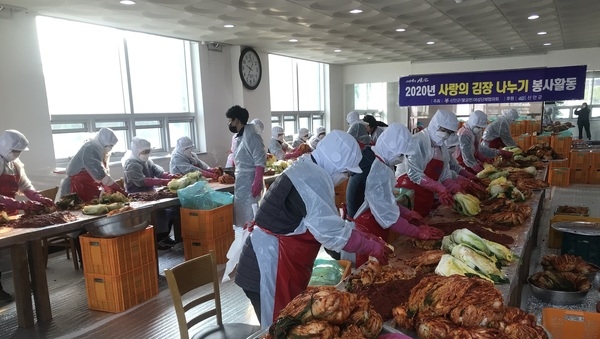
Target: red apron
{"x":85,"y":187}
{"x":496,"y":143}
{"x":9,"y":186}
{"x":423,"y":197}
{"x":367,"y":223}
{"x":297,"y":254}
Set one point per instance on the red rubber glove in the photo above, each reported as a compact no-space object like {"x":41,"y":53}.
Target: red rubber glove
{"x":12,"y":204}
{"x":156,"y":182}
{"x":451,"y":185}
{"x":402,"y":226}
{"x":413,"y":217}
{"x":114,"y":188}
{"x":477,"y":168}
{"x":36,"y":196}
{"x":364,"y":243}
{"x":33,"y":206}
{"x":209,"y":174}
{"x":427,"y":232}
{"x":444,"y":196}
{"x":257,"y":184}
{"x":463,"y":172}
{"x":505,"y":154}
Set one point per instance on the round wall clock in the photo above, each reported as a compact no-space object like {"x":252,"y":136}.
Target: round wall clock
{"x":250,"y":68}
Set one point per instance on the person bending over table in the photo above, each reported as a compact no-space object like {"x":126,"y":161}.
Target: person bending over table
{"x":296,"y":217}
{"x":497,"y":134}
{"x":142,"y":175}
{"x":183,"y":160}
{"x":12,"y":180}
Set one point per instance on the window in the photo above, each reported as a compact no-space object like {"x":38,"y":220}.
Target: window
{"x":297,"y":94}
{"x":134,"y":83}
{"x":591,"y":96}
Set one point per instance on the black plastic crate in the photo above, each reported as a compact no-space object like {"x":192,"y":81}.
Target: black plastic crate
{"x":585,"y":246}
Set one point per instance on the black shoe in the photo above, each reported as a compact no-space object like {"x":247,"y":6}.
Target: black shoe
{"x":5,"y":297}
{"x":163,"y":246}
{"x":169,"y":241}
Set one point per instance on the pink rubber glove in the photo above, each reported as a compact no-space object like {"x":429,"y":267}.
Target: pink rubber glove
{"x":410,"y":215}
{"x":505,"y":154}
{"x":209,"y":174}
{"x":33,"y":206}
{"x":467,"y":174}
{"x":463,"y":183}
{"x":257,"y":184}
{"x":427,"y":232}
{"x":364,"y":243}
{"x":36,"y":196}
{"x":451,"y":185}
{"x":156,"y":181}
{"x":444,"y":196}
{"x":167,"y":175}
{"x":402,"y":226}
{"x":12,"y":204}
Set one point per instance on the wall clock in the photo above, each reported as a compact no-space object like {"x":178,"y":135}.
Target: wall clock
{"x":250,"y":68}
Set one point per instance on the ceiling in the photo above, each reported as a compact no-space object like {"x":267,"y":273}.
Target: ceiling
{"x":460,"y":29}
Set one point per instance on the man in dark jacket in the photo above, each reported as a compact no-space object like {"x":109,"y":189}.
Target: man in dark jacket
{"x":583,"y":120}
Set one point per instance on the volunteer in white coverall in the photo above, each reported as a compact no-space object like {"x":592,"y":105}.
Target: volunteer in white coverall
{"x":318,"y":136}
{"x":297,"y":216}
{"x":497,"y":134}
{"x":302,"y":137}
{"x":381,"y":212}
{"x":250,"y":160}
{"x":427,"y":171}
{"x":470,"y":153}
{"x":183,"y":160}
{"x":258,"y":126}
{"x":87,"y":171}
{"x":279,"y":148}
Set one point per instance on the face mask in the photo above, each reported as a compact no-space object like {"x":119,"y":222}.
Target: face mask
{"x":280,"y":137}
{"x":321,"y":136}
{"x":188,"y":152}
{"x":304,"y":138}
{"x":107,"y":149}
{"x":232,"y":129}
{"x":476,"y":130}
{"x":338,"y":178}
{"x":397,"y":160}
{"x":12,"y":156}
{"x":144,"y":157}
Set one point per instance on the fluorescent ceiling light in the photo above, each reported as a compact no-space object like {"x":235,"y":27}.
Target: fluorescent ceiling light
{"x":127,"y":2}
{"x":547,"y":44}
{"x":356,"y":11}
{"x":400,"y":29}
{"x":293,"y":40}
{"x":542,"y":33}
{"x":337,"y":50}
{"x":431,"y":42}
{"x":228,"y":26}
{"x":533,"y":17}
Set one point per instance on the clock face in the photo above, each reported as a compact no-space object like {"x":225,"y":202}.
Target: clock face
{"x":250,"y":68}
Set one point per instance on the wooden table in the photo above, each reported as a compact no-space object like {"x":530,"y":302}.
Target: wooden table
{"x":29,"y":266}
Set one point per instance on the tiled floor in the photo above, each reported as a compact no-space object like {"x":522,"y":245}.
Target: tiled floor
{"x":156,"y":318}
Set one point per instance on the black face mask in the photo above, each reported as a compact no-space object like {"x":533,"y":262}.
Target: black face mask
{"x":232,"y":129}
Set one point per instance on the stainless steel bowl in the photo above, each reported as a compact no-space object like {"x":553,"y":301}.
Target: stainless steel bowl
{"x":556,"y":297}
{"x":120,"y":224}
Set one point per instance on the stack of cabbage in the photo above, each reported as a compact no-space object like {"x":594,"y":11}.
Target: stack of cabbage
{"x":471,"y":255}
{"x":186,"y":180}
{"x":502,"y":188}
{"x":277,"y":166}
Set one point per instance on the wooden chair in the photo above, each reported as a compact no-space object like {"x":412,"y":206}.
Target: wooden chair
{"x":64,"y":241}
{"x":188,"y":277}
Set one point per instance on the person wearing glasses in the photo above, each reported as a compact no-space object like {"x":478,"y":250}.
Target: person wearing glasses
{"x":87,"y":171}
{"x":427,"y":171}
{"x":142,"y":175}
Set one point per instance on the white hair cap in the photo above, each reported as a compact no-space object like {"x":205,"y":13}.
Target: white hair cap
{"x":320,"y":130}
{"x":394,"y":141}
{"x":511,"y":114}
{"x":275,"y":131}
{"x":338,"y":152}
{"x":12,"y":140}
{"x":138,"y":145}
{"x":303,"y":132}
{"x":184,"y":143}
{"x":352,"y":117}
{"x":477,"y":119}
{"x":106,"y":137}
